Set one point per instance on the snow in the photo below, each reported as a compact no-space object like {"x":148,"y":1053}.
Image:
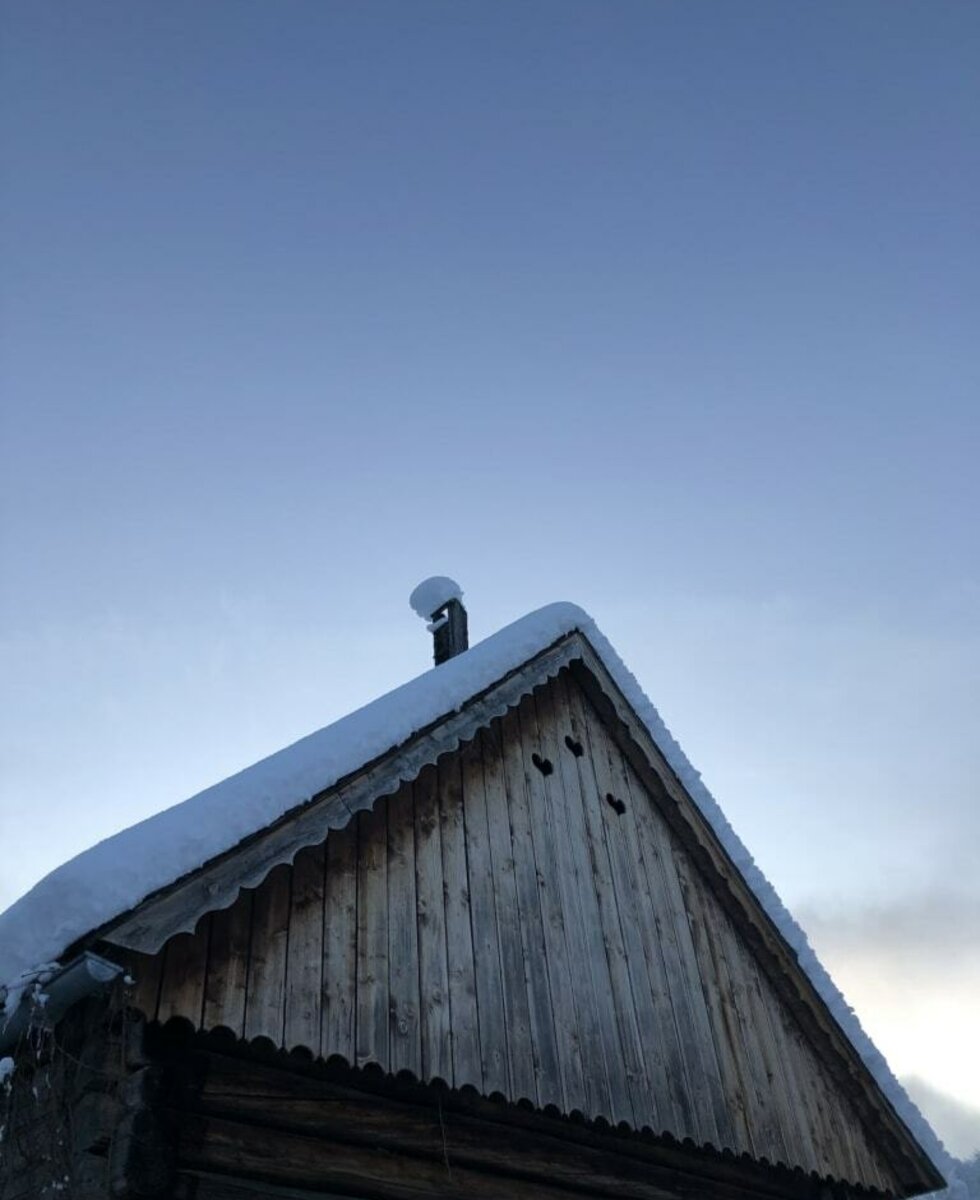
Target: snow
{"x":431,"y":594}
{"x":115,"y":875}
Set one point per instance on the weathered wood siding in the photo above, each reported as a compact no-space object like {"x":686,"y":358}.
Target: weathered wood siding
{"x":522,"y":919}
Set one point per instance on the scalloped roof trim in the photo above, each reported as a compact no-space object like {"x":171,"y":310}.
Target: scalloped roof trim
{"x":116,"y":874}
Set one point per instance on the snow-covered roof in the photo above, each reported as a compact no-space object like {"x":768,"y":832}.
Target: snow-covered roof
{"x":118,"y":873}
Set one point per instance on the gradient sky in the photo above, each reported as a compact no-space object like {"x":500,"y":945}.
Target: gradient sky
{"x":668,"y":308}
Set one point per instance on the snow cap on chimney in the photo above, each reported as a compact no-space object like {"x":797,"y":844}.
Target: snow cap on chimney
{"x":438,"y":600}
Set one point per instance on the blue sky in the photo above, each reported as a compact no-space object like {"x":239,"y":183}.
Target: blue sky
{"x":665,"y":308}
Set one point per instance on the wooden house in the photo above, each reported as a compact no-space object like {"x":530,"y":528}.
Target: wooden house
{"x":487,"y":938}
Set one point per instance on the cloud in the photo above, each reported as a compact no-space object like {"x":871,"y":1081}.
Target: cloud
{"x":911,"y":970}
{"x":960,"y":1123}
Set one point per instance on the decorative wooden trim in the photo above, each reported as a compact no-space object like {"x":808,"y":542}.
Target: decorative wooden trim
{"x":217,"y":884}
{"x":178,"y":907}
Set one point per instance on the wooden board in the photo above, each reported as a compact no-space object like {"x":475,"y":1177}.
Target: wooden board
{"x":372,"y":937}
{"x":227,"y":977}
{"x":524,"y":919}
{"x":339,"y":976}
{"x":404,"y":1044}
{"x":265,"y":1004}
{"x":304,"y":958}
{"x":436,"y":1048}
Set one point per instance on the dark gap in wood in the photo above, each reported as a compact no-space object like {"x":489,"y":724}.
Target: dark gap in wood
{"x":323,"y":943}
{"x":618,"y":806}
{"x":205,"y":928}
{"x":536,"y":904}
{"x":544,"y":765}
{"x":355,"y":971}
{"x":469,"y":913}
{"x":248,"y":955}
{"x":424,"y":1054}
{"x":575,"y":747}
{"x":285,"y":952}
{"x":485,"y":751}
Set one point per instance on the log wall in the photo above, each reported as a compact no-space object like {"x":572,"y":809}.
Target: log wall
{"x":521,"y":919}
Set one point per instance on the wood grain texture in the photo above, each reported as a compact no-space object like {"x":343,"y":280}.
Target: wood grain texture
{"x":339,"y":976}
{"x":404,"y":1043}
{"x":464,"y":1026}
{"x":517,"y":1020}
{"x":435,"y":1028}
{"x":184,"y":970}
{"x":227,"y":980}
{"x":523,"y":918}
{"x":612,"y":879}
{"x":490,"y":1010}
{"x":372,"y":937}
{"x":663,"y":1044}
{"x":572,"y":1096}
{"x":587,"y":965}
{"x":304,"y":958}
{"x":537,"y":981}
{"x":266,"y":989}
{"x":146,"y":971}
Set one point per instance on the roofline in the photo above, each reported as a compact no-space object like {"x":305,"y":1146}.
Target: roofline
{"x":503,"y":663}
{"x":217,"y":884}
{"x":776,"y":955}
{"x":213,"y":886}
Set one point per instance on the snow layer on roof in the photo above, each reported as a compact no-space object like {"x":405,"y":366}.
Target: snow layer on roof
{"x":116,"y":874}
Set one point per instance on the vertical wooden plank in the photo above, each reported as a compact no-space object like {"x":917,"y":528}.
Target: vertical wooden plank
{"x":768,"y":1055}
{"x":767,"y":1131}
{"x":225,"y":990}
{"x":304,"y":961}
{"x":184,"y":968}
{"x":683,"y":980}
{"x":265,"y":1001}
{"x":878,"y":1173}
{"x":674,"y":1100}
{"x":517,"y":1021}
{"x":578,"y":903}
{"x":707,"y":920}
{"x":850,"y":1153}
{"x":537,"y":982}
{"x":808,"y":1077}
{"x":767,"y":1136}
{"x":643,"y":1037}
{"x":372,"y":935}
{"x":146,"y":971}
{"x":404,"y":1044}
{"x":570,"y":1065}
{"x":603,"y":939}
{"x":803,"y":1148}
{"x":464,"y":1025}
{"x":687,"y":931}
{"x":437,"y":1059}
{"x":483,"y":915}
{"x":340,"y":944}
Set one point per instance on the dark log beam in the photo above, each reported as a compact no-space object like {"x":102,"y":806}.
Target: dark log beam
{"x":239,"y":1119}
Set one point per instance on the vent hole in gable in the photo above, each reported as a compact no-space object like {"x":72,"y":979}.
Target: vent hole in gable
{"x":617,"y":805}
{"x":574,"y":746}
{"x":543,"y":764}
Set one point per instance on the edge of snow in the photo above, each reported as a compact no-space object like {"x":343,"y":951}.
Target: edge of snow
{"x":118,"y":873}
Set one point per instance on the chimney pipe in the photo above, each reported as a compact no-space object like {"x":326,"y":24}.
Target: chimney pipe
{"x":438,"y":600}
{"x":450,"y":635}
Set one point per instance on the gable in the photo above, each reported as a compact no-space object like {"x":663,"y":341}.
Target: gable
{"x":541,"y":934}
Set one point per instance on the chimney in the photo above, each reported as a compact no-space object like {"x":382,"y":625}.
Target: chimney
{"x":439,"y":601}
